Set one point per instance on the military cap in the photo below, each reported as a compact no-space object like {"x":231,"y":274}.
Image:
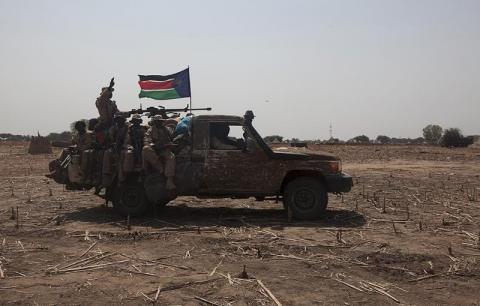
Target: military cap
{"x":136,"y":117}
{"x":157,"y":118}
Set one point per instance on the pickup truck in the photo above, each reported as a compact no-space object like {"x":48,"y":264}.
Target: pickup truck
{"x":246,"y":167}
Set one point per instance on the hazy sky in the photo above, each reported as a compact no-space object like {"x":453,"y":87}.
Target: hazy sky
{"x":368,"y":67}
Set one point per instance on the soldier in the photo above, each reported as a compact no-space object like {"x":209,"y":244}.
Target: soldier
{"x":107,"y":108}
{"x":219,"y":139}
{"x":82,"y":139}
{"x":135,"y":137}
{"x":115,"y":140}
{"x":97,"y":153}
{"x":156,"y":151}
{"x":183,"y":126}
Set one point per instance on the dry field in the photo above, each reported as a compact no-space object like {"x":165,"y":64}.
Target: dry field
{"x":408,"y":234}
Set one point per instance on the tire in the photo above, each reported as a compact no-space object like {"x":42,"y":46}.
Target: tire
{"x":307,"y":197}
{"x":131,"y":200}
{"x":155,"y":190}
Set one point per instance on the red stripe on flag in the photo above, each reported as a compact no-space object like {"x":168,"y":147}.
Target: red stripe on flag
{"x":152,"y":85}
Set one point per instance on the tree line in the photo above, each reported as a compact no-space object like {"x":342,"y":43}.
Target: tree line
{"x":63,"y":136}
{"x":432,"y":134}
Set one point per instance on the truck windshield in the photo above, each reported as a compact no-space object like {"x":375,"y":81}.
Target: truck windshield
{"x":258,"y":139}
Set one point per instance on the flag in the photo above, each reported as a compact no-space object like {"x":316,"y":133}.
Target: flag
{"x":164,"y":87}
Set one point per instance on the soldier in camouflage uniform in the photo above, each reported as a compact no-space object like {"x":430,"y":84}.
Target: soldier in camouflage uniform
{"x":112,"y":156}
{"x":156,"y":152}
{"x":107,"y":108}
{"x":83,"y":140}
{"x":135,"y":137}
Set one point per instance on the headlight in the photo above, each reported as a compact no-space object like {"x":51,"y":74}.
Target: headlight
{"x":335,"y":166}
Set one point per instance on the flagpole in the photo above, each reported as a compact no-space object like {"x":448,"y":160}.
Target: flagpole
{"x":190,"y":87}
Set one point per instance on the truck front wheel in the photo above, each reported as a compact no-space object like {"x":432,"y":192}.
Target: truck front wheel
{"x":307,"y":198}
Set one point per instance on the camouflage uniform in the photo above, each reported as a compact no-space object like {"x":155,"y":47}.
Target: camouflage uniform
{"x":106,"y":107}
{"x":112,"y":156}
{"x":135,"y":137}
{"x":156,"y":153}
{"x":84,"y":141}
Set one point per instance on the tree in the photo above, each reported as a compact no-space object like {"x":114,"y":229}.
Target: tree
{"x":361,"y":139}
{"x":454,"y":138}
{"x":383,"y":139}
{"x":273,"y":138}
{"x":63,"y":136}
{"x":432,"y":133}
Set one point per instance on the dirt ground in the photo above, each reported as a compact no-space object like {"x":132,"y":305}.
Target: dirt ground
{"x":408,"y":233}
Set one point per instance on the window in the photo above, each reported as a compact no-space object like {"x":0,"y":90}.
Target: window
{"x":226,"y":136}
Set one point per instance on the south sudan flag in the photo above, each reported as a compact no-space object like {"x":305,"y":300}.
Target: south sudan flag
{"x":164,"y":87}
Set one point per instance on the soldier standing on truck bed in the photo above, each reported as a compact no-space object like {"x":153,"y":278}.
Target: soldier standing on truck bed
{"x":107,"y":108}
{"x":157,"y":152}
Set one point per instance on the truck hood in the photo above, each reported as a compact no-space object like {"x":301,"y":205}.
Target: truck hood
{"x":301,"y":153}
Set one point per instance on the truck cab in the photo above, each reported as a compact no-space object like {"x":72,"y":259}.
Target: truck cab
{"x":213,"y":164}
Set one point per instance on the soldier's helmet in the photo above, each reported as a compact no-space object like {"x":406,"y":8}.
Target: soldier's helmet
{"x":92,"y":123}
{"x":80,"y":125}
{"x":136,"y":118}
{"x":157,"y":118}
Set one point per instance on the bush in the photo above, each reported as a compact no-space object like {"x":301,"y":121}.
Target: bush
{"x":383,"y":139}
{"x":454,"y":138}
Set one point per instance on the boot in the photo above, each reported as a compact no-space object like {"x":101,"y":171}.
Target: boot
{"x":170,"y":184}
{"x":51,"y":174}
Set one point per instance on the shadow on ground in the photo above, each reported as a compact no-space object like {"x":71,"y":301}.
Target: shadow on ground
{"x":184,"y":215}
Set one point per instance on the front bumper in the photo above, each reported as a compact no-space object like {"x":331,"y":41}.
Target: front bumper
{"x":341,"y":182}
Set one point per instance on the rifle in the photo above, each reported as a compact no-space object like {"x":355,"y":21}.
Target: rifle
{"x":112,"y":83}
{"x":152,"y":111}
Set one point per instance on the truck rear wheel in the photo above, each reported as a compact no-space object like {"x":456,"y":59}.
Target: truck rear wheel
{"x":307,"y":197}
{"x":130,"y":200}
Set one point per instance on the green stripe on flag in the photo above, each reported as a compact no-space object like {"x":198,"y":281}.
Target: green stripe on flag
{"x":159,"y":94}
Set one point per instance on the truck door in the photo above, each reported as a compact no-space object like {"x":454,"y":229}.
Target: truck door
{"x":229,"y":169}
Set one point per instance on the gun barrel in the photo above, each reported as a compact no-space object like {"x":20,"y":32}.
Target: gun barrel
{"x":186,"y":109}
{"x":154,"y":110}
{"x":206,"y":109}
